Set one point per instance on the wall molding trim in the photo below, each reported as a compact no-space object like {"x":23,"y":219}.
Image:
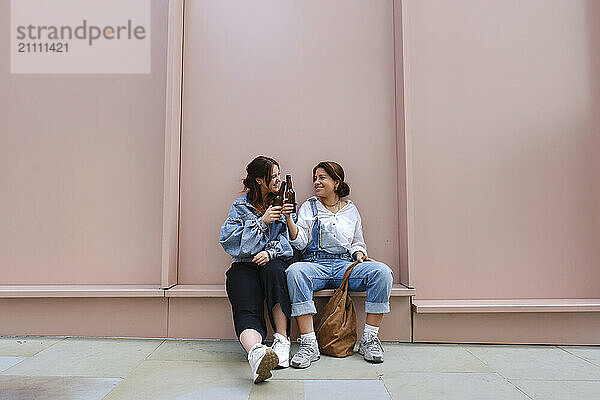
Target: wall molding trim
{"x":505,"y":306}
{"x":172,"y":164}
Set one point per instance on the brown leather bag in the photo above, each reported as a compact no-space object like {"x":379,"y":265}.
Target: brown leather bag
{"x":336,"y":324}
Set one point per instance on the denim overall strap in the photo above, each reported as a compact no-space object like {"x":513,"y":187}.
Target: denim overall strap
{"x":313,"y":207}
{"x":315,"y":250}
{"x":315,"y":244}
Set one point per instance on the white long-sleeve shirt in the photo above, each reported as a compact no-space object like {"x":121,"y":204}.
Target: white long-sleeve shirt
{"x":346,"y":226}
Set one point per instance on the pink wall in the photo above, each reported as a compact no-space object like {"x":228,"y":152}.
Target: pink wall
{"x":498,"y":101}
{"x":301,"y":81}
{"x":81,"y":169}
{"x":502,"y":144}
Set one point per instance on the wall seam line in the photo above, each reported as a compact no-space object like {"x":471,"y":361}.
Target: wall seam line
{"x":180,"y":140}
{"x":396,"y":138}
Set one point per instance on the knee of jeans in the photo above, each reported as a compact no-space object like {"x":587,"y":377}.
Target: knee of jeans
{"x":295,"y":274}
{"x":383,"y":273}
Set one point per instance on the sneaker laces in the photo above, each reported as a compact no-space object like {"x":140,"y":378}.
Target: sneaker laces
{"x":305,"y":349}
{"x":277,"y":342}
{"x":373,"y":343}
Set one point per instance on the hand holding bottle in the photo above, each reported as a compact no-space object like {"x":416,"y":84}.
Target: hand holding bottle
{"x":288,"y":209}
{"x":273,"y":213}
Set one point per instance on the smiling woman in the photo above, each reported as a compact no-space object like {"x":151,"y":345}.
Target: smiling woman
{"x":255,"y":235}
{"x":325,"y":176}
{"x":329,"y":232}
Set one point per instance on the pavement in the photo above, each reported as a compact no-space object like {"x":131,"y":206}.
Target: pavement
{"x":48,"y":368}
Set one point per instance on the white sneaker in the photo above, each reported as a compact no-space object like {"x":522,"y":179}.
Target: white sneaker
{"x":281,"y":346}
{"x":262,"y":360}
{"x":370,"y":348}
{"x":306,"y":354}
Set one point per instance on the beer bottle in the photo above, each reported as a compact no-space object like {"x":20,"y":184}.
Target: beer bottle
{"x":290,"y":195}
{"x":278,"y":201}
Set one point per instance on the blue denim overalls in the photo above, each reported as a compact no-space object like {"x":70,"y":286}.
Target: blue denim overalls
{"x":323,"y":264}
{"x":324,"y":244}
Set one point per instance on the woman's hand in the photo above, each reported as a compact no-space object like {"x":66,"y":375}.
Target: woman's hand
{"x":287,"y":211}
{"x":360,"y":256}
{"x":261,"y":258}
{"x":273,"y":213}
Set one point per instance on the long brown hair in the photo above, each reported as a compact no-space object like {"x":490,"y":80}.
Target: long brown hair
{"x":261,"y":167}
{"x":336,"y":172}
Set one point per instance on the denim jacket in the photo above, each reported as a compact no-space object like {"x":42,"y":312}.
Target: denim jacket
{"x":244,"y":234}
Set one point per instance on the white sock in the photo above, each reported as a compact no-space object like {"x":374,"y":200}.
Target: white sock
{"x":370,"y":330}
{"x":281,"y":336}
{"x":309,"y":336}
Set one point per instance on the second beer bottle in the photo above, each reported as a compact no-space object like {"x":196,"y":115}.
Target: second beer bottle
{"x":290,"y":195}
{"x":278,"y":201}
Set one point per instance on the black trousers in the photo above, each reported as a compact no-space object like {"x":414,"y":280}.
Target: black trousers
{"x":248,"y":286}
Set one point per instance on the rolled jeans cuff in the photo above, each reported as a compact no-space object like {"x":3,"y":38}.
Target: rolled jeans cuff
{"x":371,"y":308}
{"x":304,"y":307}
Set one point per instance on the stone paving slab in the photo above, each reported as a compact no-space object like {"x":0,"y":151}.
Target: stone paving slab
{"x":8,"y":362}
{"x":99,"y":358}
{"x":351,"y":367}
{"x":179,"y":380}
{"x":26,"y":346}
{"x":559,"y":390}
{"x":452,"y":386}
{"x":274,"y":389}
{"x":429,"y":358}
{"x":589,"y":353}
{"x":200,"y":350}
{"x":55,"y":388}
{"x":317,"y":389}
{"x":345,"y":389}
{"x":535,"y":362}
